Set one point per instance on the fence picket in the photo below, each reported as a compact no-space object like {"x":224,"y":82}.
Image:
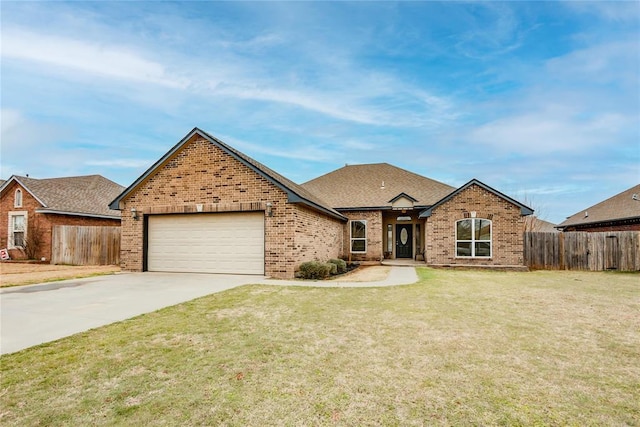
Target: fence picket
{"x":595,"y":251}
{"x":85,"y":245}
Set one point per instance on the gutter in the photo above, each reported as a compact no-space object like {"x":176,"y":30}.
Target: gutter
{"x":90,"y":215}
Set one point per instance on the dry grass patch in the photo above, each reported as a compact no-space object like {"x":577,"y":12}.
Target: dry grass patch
{"x":16,"y":274}
{"x":458,"y":348}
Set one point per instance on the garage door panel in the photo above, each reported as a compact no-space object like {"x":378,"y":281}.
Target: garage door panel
{"x":230,"y":243}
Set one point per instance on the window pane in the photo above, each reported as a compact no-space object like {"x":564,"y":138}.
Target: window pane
{"x":18,"y":239}
{"x":464,"y":230}
{"x":389,"y":238}
{"x":358,"y":229}
{"x":483,"y":249}
{"x":463,"y":249}
{"x":358,"y":245}
{"x":18,"y":223}
{"x":483,"y":229}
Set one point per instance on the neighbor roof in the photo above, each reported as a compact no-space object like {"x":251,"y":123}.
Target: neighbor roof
{"x":620,"y":207}
{"x":524,"y":210}
{"x":87,"y":195}
{"x":375,"y":186}
{"x":295,"y":193}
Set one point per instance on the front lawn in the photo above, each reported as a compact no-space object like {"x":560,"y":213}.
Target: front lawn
{"x":458,"y":348}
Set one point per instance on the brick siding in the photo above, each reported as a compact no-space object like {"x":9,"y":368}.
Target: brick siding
{"x":374,"y":236}
{"x":200,"y":173}
{"x":507,"y":229}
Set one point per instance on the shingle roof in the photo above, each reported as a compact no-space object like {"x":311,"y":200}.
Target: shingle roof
{"x":533,"y":223}
{"x":620,"y":207}
{"x":83,"y":195}
{"x":361,"y":186}
{"x":295,"y":193}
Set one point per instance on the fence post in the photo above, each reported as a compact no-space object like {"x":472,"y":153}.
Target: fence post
{"x":561,"y":253}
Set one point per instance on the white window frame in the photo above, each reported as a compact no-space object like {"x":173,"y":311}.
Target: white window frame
{"x":352,"y":239}
{"x":10,"y":239}
{"x":473,"y":240}
{"x":17,"y":198}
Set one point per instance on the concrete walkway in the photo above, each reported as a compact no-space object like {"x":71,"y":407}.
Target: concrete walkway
{"x":397,"y":276}
{"x":35,"y":314}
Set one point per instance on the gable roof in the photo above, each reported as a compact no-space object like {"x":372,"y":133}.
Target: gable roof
{"x":533,"y":223}
{"x":295,"y":193}
{"x":375,"y":186}
{"x":524,"y":210}
{"x":402,"y":195}
{"x":87,"y":195}
{"x":620,"y":207}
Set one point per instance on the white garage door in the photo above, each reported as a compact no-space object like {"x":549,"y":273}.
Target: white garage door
{"x":231,"y":243}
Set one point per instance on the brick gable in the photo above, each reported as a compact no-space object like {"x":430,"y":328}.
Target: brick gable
{"x":507,"y":224}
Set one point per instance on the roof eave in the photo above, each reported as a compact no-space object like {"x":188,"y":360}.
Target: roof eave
{"x":602,"y":221}
{"x":524,"y":210}
{"x":405,"y":195}
{"x":91,"y":215}
{"x":295,"y":198}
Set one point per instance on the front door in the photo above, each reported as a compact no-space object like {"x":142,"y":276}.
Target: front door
{"x":404,"y":240}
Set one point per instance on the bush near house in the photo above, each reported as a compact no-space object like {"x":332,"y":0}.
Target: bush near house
{"x":315,"y":270}
{"x":341,"y":265}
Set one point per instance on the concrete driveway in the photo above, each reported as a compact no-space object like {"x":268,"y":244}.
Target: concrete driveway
{"x":35,"y":314}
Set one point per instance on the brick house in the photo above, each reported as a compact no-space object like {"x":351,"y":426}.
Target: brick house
{"x":30,"y":208}
{"x":617,"y":213}
{"x":206,"y":207}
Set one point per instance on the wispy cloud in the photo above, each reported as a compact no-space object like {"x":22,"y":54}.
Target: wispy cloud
{"x":617,"y":11}
{"x":120,"y":163}
{"x":93,"y":58}
{"x":502,"y":91}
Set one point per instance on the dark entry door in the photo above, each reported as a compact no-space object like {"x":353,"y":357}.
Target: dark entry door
{"x":404,"y":240}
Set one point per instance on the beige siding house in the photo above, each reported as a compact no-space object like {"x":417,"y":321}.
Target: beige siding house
{"x":206,"y":207}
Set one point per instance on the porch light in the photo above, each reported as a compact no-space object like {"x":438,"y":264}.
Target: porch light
{"x":134,"y":213}
{"x":269,"y":210}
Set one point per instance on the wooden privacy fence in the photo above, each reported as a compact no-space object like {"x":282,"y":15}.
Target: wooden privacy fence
{"x":85,"y":245}
{"x":615,"y":250}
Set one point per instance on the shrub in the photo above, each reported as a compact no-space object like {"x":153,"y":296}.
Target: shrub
{"x":314,"y":270}
{"x":334,"y":269}
{"x":340,"y":264}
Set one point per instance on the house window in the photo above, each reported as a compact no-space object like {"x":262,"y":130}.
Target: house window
{"x":389,"y":238}
{"x":17,"y":229}
{"x":17,"y":200}
{"x":473,"y":238}
{"x":358,"y":230}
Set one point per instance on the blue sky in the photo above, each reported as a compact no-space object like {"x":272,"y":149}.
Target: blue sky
{"x":540,"y":100}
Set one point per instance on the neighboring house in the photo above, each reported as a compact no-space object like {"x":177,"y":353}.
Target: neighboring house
{"x":618,"y":213}
{"x":30,"y":208}
{"x":206,"y":207}
{"x":535,"y":224}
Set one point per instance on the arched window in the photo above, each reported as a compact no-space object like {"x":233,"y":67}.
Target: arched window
{"x":473,"y":238}
{"x":17,"y":201}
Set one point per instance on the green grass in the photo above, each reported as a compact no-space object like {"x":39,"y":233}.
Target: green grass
{"x":458,"y":348}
